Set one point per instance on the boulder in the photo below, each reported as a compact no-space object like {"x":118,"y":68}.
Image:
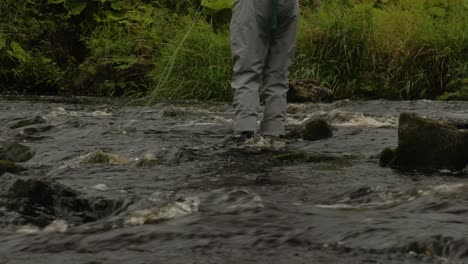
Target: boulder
{"x":427,"y":145}
{"x":15,"y":152}
{"x":301,"y":91}
{"x":312,"y":130}
{"x":42,"y":201}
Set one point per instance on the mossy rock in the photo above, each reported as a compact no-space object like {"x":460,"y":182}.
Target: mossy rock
{"x":100,"y":156}
{"x":313,"y":130}
{"x":15,"y":152}
{"x":427,"y":145}
{"x":461,"y":95}
{"x":301,"y":91}
{"x":300,"y":156}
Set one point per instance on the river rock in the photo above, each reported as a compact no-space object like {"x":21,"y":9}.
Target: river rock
{"x":427,"y":145}
{"x":15,"y":152}
{"x":41,"y":201}
{"x":100,"y":156}
{"x":28,"y":121}
{"x":148,"y":160}
{"x":8,"y":166}
{"x":312,"y":130}
{"x":301,"y":91}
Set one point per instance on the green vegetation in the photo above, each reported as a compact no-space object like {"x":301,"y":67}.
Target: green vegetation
{"x":394,"y":49}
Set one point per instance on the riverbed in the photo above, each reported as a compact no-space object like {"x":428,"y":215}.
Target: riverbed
{"x":175,"y":191}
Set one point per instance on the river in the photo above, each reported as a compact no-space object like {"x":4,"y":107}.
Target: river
{"x":175,"y":192}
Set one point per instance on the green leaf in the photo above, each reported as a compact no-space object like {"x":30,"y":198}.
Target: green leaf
{"x":74,"y":7}
{"x":217,"y":4}
{"x":2,"y":42}
{"x":18,"y":52}
{"x":118,"y":5}
{"x":56,"y":1}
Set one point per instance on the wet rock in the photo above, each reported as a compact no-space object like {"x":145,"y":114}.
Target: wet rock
{"x":8,"y":166}
{"x":41,"y":201}
{"x":313,"y":130}
{"x":173,"y":155}
{"x":29,"y":121}
{"x":173,"y":112}
{"x":182,"y":207}
{"x":386,"y":157}
{"x":301,"y":91}
{"x":148,"y":160}
{"x":298,"y":156}
{"x":428,"y":145}
{"x":328,"y":162}
{"x":15,"y":152}
{"x":100,"y":156}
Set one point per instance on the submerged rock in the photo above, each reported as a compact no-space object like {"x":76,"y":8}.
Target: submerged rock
{"x":148,"y":160}
{"x":173,"y":155}
{"x":301,"y":91}
{"x":173,"y":112}
{"x":386,"y":157}
{"x":41,"y":201}
{"x":427,"y":145}
{"x":100,"y":156}
{"x":29,"y":121}
{"x":8,"y":166}
{"x":15,"y":152}
{"x":313,"y":130}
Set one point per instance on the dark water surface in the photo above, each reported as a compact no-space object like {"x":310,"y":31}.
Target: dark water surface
{"x":177,"y":194}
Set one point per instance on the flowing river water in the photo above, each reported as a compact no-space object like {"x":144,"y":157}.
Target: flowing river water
{"x":173,"y":191}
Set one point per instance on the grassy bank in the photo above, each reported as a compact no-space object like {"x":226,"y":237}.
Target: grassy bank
{"x":394,"y":49}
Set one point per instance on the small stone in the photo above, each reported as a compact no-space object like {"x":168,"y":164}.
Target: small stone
{"x":386,"y":157}
{"x":313,"y":130}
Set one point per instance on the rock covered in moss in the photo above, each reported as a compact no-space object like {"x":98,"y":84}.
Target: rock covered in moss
{"x":313,"y":130}
{"x":100,"y":156}
{"x":427,"y":145}
{"x":15,"y":152}
{"x":301,"y":91}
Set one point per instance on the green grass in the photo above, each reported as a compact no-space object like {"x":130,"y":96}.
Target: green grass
{"x":194,"y":66}
{"x":394,"y":49}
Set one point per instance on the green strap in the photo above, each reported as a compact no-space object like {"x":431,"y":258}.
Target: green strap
{"x":273,"y":15}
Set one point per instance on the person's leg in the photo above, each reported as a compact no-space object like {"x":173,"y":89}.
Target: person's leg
{"x":249,"y":45}
{"x":276,"y":71}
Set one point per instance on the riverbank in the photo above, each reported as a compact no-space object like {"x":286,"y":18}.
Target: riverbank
{"x":358,"y":49}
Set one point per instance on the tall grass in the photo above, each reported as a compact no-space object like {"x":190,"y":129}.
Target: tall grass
{"x":394,"y":49}
{"x":399,"y":51}
{"x":194,"y":66}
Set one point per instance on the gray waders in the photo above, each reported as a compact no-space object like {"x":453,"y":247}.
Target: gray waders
{"x":263,"y":40}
